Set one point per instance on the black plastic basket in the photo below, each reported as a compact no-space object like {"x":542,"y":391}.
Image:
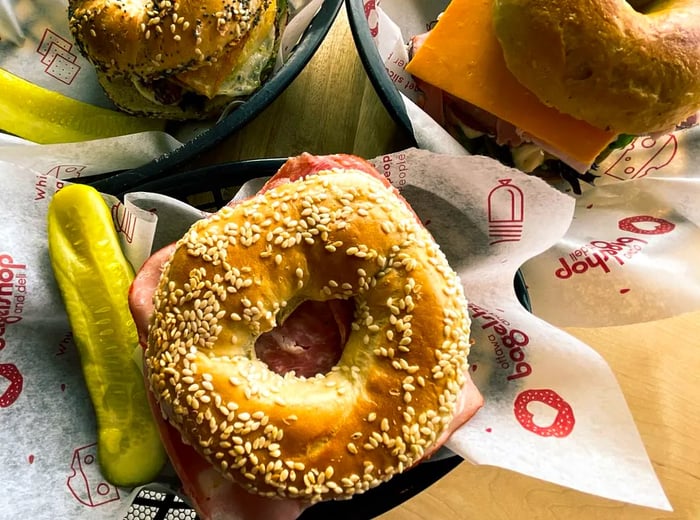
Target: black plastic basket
{"x":118,"y":182}
{"x":208,"y":189}
{"x":159,"y":505}
{"x":372,"y":62}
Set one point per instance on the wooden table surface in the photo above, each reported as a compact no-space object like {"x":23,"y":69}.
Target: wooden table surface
{"x":331,"y":107}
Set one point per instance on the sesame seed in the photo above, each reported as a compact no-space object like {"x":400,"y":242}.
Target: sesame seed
{"x":385,"y":425}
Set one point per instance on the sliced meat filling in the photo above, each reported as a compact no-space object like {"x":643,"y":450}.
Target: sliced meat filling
{"x":310,"y":341}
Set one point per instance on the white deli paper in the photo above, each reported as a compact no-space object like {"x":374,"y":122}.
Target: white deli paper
{"x":631,"y":252}
{"x":489,"y":220}
{"x":629,"y":256}
{"x":36,"y":45}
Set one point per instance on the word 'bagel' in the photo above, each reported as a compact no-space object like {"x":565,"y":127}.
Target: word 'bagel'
{"x":334,"y":235}
{"x":604,"y":62}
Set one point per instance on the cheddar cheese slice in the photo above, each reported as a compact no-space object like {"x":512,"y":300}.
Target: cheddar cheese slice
{"x":462,"y":56}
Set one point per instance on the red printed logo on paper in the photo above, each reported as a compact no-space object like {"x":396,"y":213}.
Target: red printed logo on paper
{"x":506,"y":210}
{"x":371,"y":15}
{"x":57,"y":57}
{"x":600,"y":255}
{"x":13,"y":291}
{"x":646,"y":225}
{"x":563,"y":423}
{"x":508,"y":343}
{"x":395,"y":170}
{"x":57,"y":172}
{"x":86,"y":483}
{"x":643,"y":156}
{"x":10,"y":373}
{"x":124,"y":220}
{"x":66,"y":171}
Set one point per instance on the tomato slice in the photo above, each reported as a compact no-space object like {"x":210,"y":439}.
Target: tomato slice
{"x":94,"y":279}
{"x":46,"y":117}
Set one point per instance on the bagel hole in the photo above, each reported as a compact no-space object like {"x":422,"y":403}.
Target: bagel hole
{"x":577,"y":70}
{"x":310,"y":340}
{"x":582,"y":72}
{"x":639,"y":5}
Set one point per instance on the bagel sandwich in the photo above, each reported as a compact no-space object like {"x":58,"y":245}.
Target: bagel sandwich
{"x":553,"y":87}
{"x":333,"y":356}
{"x":180,"y":60}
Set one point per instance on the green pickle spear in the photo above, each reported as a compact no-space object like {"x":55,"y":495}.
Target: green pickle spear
{"x":94,"y":278}
{"x":47,"y":117}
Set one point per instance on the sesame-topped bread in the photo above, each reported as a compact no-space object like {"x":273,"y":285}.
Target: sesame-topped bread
{"x":177,"y":59}
{"x":339,"y":235}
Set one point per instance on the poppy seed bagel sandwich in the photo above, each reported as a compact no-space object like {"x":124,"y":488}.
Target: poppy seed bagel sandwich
{"x":178,"y":60}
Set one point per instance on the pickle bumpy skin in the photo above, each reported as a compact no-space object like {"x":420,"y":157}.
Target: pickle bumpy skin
{"x":46,"y":117}
{"x":94,"y":278}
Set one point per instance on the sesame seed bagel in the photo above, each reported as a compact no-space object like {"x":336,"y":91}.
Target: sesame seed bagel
{"x":341,"y":234}
{"x":155,"y":37}
{"x":605,"y":62}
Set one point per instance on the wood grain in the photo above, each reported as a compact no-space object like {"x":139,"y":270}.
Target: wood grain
{"x":331,"y":107}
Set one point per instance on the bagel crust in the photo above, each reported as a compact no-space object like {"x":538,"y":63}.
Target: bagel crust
{"x":602,"y":61}
{"x":153,"y":38}
{"x":337,"y":234}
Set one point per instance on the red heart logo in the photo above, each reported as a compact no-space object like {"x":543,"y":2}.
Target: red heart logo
{"x":10,"y":372}
{"x":563,"y":423}
{"x":646,"y":225}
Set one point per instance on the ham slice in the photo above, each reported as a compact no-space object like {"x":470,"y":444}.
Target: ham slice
{"x":306,"y":164}
{"x":309,"y":341}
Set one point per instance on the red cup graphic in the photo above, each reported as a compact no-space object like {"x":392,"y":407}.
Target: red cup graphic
{"x":506,"y":206}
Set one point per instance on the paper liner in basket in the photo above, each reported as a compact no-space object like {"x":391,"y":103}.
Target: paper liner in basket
{"x":629,"y":256}
{"x":631,"y":252}
{"x":488,"y":219}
